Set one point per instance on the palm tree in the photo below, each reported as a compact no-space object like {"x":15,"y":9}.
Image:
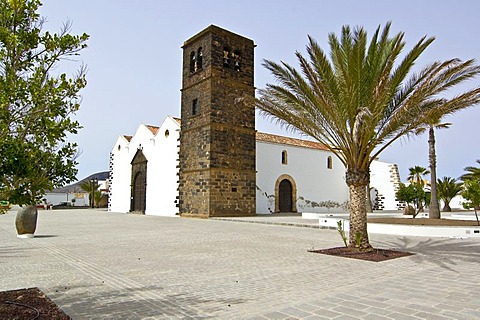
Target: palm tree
{"x":97,"y":196}
{"x":416,"y":175}
{"x":472,"y":173}
{"x":90,"y":187}
{"x":448,"y":188}
{"x":360,"y":99}
{"x":434,"y":123}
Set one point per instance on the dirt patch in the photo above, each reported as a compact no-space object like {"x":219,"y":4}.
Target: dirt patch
{"x":425,"y":222}
{"x":376,"y":255}
{"x":29,"y":304}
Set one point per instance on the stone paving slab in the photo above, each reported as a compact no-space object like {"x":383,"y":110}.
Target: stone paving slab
{"x":100,"y":265}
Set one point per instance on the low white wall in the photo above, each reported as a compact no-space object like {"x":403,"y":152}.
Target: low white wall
{"x":404,"y":230}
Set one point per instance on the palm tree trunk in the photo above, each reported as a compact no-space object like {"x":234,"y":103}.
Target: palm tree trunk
{"x":357,"y":182}
{"x":433,"y":210}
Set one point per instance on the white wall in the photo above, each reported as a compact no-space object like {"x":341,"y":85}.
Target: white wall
{"x":162,"y":179}
{"x":161,"y":153}
{"x":120,"y":173}
{"x":382,"y":178}
{"x":308,"y":168}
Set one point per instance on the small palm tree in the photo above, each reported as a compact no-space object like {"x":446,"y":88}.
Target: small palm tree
{"x":448,"y":188}
{"x":416,"y":175}
{"x":434,"y":123}
{"x":97,"y":196}
{"x":90,"y":187}
{"x":472,"y":173}
{"x":360,"y":99}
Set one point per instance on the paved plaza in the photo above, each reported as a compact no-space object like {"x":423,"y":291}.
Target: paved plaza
{"x":100,"y":265}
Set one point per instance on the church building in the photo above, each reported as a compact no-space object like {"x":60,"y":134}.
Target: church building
{"x":212,"y":162}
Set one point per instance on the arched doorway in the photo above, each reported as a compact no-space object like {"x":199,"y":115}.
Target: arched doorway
{"x":285,"y":194}
{"x":138,"y":198}
{"x":139,"y":192}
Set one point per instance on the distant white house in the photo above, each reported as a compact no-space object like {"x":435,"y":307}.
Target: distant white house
{"x":73,"y":194}
{"x":293,"y":175}
{"x":56,"y":198}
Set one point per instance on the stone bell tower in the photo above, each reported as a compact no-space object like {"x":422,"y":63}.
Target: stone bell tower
{"x":217,"y":138}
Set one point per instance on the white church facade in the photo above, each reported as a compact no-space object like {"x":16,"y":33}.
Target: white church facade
{"x":214,"y":163}
{"x":293,"y":175}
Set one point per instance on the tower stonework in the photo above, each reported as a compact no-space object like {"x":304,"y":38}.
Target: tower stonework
{"x":217,"y":139}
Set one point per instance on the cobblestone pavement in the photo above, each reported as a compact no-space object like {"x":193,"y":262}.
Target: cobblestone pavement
{"x":99,"y":265}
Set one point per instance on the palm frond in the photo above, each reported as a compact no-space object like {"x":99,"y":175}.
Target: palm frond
{"x":359,"y":99}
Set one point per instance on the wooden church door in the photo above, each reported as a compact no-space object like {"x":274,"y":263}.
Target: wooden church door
{"x":285,"y":196}
{"x":139,"y":183}
{"x":139,"y":192}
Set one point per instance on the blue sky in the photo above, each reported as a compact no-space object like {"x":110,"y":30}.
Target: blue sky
{"x":134,"y":60}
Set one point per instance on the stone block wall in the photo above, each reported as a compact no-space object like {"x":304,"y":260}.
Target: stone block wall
{"x":217,"y":138}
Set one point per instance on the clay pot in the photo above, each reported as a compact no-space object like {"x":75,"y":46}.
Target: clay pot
{"x":26,"y":221}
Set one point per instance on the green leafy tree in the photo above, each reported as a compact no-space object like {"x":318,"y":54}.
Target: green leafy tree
{"x":416,"y":177}
{"x":432,"y":125}
{"x":471,"y":193}
{"x":361,"y":98}
{"x":37,"y":101}
{"x":405,"y":194}
{"x":448,"y":188}
{"x":413,"y":194}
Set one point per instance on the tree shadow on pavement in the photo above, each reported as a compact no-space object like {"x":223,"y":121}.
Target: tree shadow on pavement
{"x":444,"y":252}
{"x":99,"y":302}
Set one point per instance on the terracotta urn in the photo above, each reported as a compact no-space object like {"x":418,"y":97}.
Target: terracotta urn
{"x":26,"y":221}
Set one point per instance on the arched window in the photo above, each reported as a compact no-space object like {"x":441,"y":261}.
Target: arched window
{"x":236,"y":60}
{"x":284,"y":157}
{"x":226,"y":57}
{"x":192,"y":62}
{"x":329,"y":162}
{"x":199,"y":59}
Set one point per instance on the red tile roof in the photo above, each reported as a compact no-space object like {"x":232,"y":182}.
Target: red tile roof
{"x":153,"y":129}
{"x":272,"y":138}
{"x":263,"y":137}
